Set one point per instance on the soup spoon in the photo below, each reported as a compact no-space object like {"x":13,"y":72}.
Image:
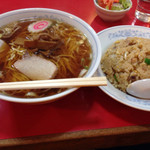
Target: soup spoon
{"x":140,"y":88}
{"x":54,"y":83}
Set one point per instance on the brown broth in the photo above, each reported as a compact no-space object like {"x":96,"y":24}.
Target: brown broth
{"x":71,"y":55}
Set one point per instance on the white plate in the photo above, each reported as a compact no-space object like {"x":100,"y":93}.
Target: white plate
{"x":108,"y":37}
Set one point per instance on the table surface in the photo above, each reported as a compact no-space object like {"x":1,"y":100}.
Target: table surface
{"x":87,"y":118}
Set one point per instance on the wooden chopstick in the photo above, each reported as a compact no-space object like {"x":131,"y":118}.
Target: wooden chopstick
{"x":54,"y":83}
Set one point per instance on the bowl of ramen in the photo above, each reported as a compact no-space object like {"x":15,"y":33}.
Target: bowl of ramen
{"x":112,"y":10}
{"x":125,"y":59}
{"x":44,"y":44}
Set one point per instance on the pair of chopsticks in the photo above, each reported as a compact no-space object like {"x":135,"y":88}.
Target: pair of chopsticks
{"x":54,"y":83}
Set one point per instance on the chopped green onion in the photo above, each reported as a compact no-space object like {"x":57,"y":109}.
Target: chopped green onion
{"x":147,"y":61}
{"x":83,"y":64}
{"x":82,"y":61}
{"x":115,"y":77}
{"x":86,"y":67}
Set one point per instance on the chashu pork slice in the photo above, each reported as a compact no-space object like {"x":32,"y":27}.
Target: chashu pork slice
{"x":36,"y":68}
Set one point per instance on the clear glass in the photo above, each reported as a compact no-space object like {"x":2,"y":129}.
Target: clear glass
{"x":143,"y":10}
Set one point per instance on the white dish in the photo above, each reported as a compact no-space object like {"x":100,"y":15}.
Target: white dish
{"x":108,"y":37}
{"x":61,"y":16}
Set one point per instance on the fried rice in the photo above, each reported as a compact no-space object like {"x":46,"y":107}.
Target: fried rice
{"x":126,"y":61}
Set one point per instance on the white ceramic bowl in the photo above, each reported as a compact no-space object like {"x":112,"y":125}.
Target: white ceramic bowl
{"x":61,"y":16}
{"x":111,"y":35}
{"x":110,"y":15}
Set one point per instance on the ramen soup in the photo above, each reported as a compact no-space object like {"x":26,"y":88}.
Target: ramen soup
{"x":42,"y":49}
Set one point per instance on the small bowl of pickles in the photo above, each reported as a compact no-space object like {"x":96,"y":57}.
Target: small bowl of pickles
{"x":112,"y":10}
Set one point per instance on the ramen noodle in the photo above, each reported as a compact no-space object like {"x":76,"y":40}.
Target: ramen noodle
{"x":41,"y":49}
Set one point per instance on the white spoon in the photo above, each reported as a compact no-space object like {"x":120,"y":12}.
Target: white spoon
{"x":140,"y":88}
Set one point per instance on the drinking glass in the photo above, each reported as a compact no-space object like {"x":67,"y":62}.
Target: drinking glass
{"x":143,"y":10}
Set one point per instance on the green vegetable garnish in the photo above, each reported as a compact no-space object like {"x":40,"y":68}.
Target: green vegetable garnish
{"x":83,"y":64}
{"x":82,"y":61}
{"x":115,"y":77}
{"x":117,"y":6}
{"x":86,"y":67}
{"x":147,"y":61}
{"x":125,"y":3}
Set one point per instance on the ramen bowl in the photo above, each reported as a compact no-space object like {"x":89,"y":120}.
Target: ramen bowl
{"x":114,"y":34}
{"x":65,"y":17}
{"x":110,"y":15}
